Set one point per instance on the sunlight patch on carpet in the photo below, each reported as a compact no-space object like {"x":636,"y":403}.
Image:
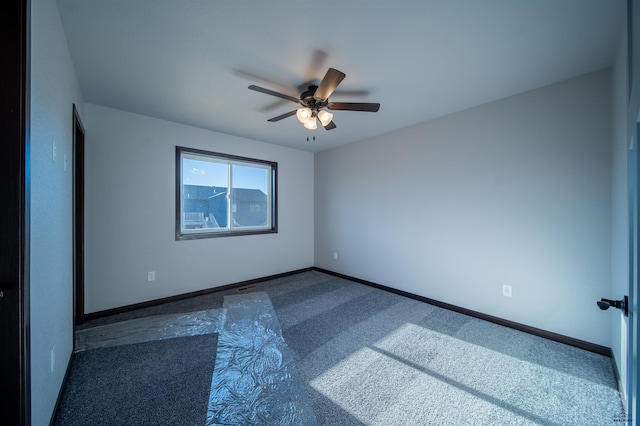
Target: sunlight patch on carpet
{"x":457,"y":382}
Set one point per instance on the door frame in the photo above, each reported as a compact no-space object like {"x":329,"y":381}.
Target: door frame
{"x":633,"y":191}
{"x":15,"y":374}
{"x":633,"y":340}
{"x":78,"y":218}
{"x":633,"y":134}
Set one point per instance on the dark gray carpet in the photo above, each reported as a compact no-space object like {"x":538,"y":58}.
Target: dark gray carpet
{"x":163,"y":382}
{"x":372,"y":357}
{"x":369,"y":357}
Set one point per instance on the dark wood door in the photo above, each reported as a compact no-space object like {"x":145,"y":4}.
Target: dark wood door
{"x":14,"y":213}
{"x":78,"y":219}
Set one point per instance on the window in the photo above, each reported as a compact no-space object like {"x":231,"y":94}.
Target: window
{"x":221,"y":195}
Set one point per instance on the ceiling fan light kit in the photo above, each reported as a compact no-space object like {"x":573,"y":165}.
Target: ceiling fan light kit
{"x":308,"y":117}
{"x":315,"y":98}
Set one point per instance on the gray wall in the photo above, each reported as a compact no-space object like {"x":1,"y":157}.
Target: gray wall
{"x":54,"y":89}
{"x":130,"y":213}
{"x":514,"y":192}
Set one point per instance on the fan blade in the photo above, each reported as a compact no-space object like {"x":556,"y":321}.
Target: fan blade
{"x":285,"y":115}
{"x":350,"y":93}
{"x":254,"y":78}
{"x":331,"y":79}
{"x":300,"y":88}
{"x":354,"y":106}
{"x":330,"y":126}
{"x":272,"y":93}
{"x":316,"y":65}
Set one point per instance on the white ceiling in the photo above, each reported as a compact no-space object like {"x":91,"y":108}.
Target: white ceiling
{"x":191,"y":61}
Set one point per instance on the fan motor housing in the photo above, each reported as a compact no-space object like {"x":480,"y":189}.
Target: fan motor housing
{"x":308,"y":100}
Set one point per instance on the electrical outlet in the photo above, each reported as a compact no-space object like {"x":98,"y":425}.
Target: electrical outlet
{"x":54,"y":151}
{"x":335,"y":255}
{"x":506,"y":290}
{"x":151,"y":276}
{"x":53,"y":358}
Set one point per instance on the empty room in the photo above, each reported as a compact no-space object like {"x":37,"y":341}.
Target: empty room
{"x":321,"y":213}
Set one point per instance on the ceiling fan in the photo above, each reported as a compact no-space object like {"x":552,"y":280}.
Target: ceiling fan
{"x":315,"y":99}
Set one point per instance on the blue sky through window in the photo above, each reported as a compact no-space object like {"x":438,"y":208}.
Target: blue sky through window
{"x":212,"y":173}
